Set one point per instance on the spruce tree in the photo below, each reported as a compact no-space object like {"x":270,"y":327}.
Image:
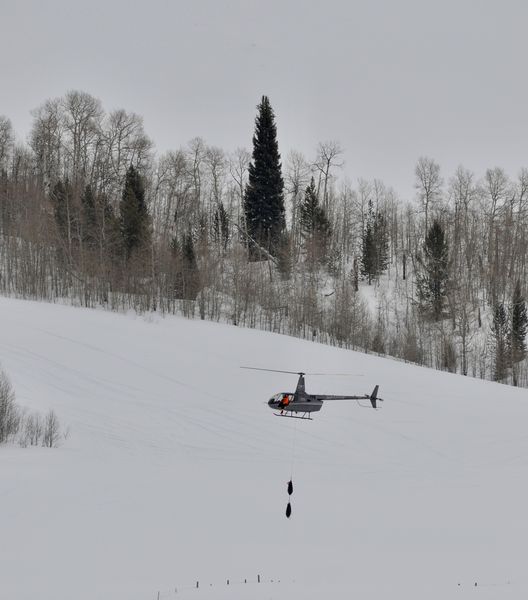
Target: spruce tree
{"x":374,"y":244}
{"x":89,"y":217}
{"x":314,"y":224}
{"x":432,"y":283}
{"x":500,"y":339}
{"x":519,"y":325}
{"x":381,"y":237}
{"x":61,"y":199}
{"x":368,"y":247}
{"x":186,"y":275}
{"x":221,"y":226}
{"x":189,"y":268}
{"x":264,"y":201}
{"x":135,"y":226}
{"x":284,"y":256}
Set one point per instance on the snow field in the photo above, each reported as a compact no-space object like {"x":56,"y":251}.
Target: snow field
{"x":175,"y":469}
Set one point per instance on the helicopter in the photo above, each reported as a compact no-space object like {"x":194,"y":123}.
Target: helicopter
{"x":302,"y":402}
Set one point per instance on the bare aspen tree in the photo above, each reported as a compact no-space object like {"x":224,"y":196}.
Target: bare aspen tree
{"x":6,"y":152}
{"x":195,"y":156}
{"x":515,"y":224}
{"x":216,"y":165}
{"x":22,"y":166}
{"x":82,"y":115}
{"x":346,"y":227}
{"x":215,"y":162}
{"x":33,"y":430}
{"x":51,"y":430}
{"x":6,"y":142}
{"x":428,"y":183}
{"x":174,"y":188}
{"x":518,"y":267}
{"x":124,"y":143}
{"x":46,"y":140}
{"x":364,"y":196}
{"x":328,"y":156}
{"x":238,"y":168}
{"x":9,"y":413}
{"x":296,"y":179}
{"x":462,"y":192}
{"x":495,"y":189}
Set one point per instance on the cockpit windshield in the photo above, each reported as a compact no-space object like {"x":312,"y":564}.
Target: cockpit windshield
{"x":281,"y":397}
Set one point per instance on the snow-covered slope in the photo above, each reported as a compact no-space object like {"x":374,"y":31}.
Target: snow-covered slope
{"x":175,"y":470}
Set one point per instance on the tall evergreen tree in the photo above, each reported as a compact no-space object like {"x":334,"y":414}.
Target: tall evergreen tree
{"x":264,"y":200}
{"x":432,"y":282}
{"x":135,"y":223}
{"x":519,"y":325}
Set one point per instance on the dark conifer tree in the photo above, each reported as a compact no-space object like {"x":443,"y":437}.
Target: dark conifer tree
{"x":432,"y":282}
{"x":186,"y":280}
{"x":134,"y":221}
{"x":500,"y":340}
{"x":519,"y":325}
{"x":284,"y":256}
{"x":381,"y":237}
{"x":61,"y":199}
{"x":374,"y":250}
{"x":89,"y":217}
{"x":221,"y":226}
{"x":368,"y":249}
{"x":100,"y":228}
{"x":189,"y":268}
{"x":313,"y":219}
{"x":314,"y":224}
{"x":264,"y":201}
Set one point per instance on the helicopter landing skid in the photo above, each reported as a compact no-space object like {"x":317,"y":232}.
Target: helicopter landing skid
{"x":290,"y":416}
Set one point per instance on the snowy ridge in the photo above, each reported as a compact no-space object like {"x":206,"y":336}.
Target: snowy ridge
{"x":175,"y":470}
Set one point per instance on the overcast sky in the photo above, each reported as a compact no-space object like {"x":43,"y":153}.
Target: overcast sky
{"x":391,"y":80}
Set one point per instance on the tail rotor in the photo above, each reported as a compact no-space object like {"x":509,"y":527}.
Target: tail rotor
{"x":374,"y":397}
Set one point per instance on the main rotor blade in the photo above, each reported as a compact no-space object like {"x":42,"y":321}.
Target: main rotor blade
{"x":274,"y":370}
{"x":336,"y":374}
{"x":305,"y":373}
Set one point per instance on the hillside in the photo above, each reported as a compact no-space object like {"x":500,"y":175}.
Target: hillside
{"x":174,"y":470}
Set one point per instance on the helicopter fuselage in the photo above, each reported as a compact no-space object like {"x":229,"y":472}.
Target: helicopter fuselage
{"x":288,"y":402}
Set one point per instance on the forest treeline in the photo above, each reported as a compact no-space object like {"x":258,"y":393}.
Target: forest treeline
{"x":90,"y":214}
